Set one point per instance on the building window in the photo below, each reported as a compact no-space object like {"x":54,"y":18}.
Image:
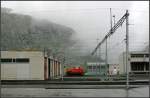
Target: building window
{"x":22,"y":60}
{"x":6,"y":60}
{"x":139,"y":66}
{"x":147,"y":66}
{"x":137,"y":55}
{"x":94,"y":68}
{"x":146,"y":55}
{"x":15,"y":60}
{"x":89,"y":68}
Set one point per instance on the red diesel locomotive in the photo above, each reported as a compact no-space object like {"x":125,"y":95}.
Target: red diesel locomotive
{"x":75,"y":71}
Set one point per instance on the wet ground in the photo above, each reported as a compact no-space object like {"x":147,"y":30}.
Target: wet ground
{"x":42,"y":92}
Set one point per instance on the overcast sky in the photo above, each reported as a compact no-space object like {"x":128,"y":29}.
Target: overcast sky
{"x":91,"y":19}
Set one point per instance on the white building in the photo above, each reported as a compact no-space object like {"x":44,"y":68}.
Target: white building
{"x":137,"y":62}
{"x":28,"y":65}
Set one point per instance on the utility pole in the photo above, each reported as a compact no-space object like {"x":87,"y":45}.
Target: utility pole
{"x":107,"y":37}
{"x":106,"y":54}
{"x":127,"y":48}
{"x":97,"y":59}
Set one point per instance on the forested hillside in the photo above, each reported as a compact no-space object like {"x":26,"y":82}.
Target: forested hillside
{"x":24,"y":32}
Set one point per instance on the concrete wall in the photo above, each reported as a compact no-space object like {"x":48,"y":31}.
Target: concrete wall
{"x":34,"y":70}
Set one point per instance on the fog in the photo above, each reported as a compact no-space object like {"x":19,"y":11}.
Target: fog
{"x":91,"y":20}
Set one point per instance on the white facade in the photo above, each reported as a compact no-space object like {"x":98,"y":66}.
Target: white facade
{"x":22,"y":65}
{"x":138,"y":61}
{"x":28,"y":65}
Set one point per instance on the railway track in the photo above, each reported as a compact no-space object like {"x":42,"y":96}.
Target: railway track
{"x":44,"y":82}
{"x":75,"y":86}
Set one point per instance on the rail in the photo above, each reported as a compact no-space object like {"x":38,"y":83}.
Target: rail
{"x":43,"y":82}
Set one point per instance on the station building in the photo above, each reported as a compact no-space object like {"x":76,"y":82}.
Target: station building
{"x":29,"y":65}
{"x":138,"y":62}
